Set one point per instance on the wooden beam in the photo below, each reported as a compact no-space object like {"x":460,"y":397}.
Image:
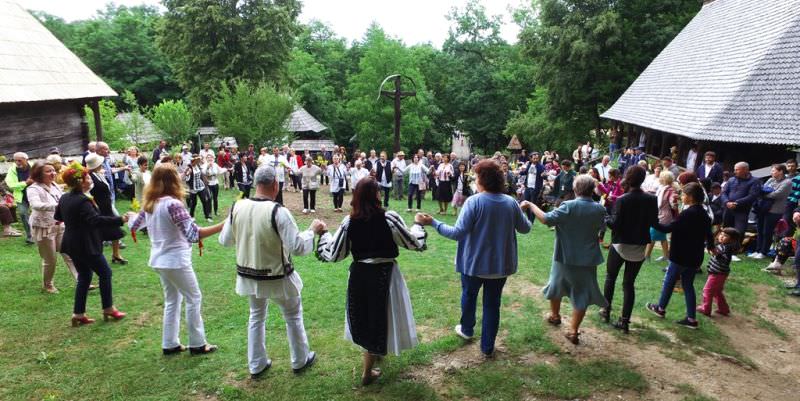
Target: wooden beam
{"x":98,"y":122}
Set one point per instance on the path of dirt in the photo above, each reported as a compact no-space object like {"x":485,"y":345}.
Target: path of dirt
{"x":775,"y":377}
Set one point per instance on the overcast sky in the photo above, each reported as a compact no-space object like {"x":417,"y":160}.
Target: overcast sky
{"x":413,"y":21}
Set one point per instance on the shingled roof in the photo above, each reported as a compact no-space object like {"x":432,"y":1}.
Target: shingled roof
{"x":36,"y":66}
{"x":301,"y":121}
{"x":731,"y":75}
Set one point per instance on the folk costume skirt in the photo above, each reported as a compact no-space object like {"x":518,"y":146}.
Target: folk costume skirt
{"x":379,"y":317}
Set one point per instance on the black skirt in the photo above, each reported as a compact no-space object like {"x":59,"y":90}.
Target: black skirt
{"x":444,"y":192}
{"x":368,"y":305}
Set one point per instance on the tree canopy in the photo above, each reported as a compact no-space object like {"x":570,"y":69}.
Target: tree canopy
{"x":574,"y":58}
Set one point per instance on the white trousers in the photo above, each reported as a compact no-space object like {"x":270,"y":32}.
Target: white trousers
{"x":292,"y":309}
{"x":181,"y":285}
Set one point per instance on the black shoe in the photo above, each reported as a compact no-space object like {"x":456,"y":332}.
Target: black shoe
{"x":312,"y":357}
{"x":605,"y":314}
{"x":795,"y":292}
{"x":622,"y":324}
{"x":656,"y":310}
{"x":256,"y":376}
{"x":118,"y":261}
{"x":205,"y":349}
{"x":688,"y":323}
{"x":29,"y":242}
{"x":173,"y":351}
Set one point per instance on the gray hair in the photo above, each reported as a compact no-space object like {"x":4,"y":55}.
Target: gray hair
{"x":21,"y":155}
{"x":743,"y":165}
{"x":265,"y":175}
{"x":583,"y":185}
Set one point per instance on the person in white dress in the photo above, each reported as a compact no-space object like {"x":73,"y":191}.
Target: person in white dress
{"x":379,"y":316}
{"x":265,"y":236}
{"x":337,"y":172}
{"x":357,"y":173}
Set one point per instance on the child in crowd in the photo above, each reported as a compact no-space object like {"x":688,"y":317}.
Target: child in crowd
{"x":718,"y":269}
{"x":691,"y":233}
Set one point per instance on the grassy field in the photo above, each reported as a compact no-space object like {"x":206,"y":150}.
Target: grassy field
{"x":42,"y":358}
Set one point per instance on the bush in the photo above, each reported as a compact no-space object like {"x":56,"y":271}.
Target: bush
{"x":175,"y":120}
{"x":252,"y":113}
{"x":113,"y":129}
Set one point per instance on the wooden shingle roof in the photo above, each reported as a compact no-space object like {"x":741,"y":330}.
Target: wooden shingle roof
{"x":36,"y":66}
{"x":732,"y":75}
{"x":301,"y":121}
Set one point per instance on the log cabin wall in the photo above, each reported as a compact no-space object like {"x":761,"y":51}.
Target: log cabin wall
{"x":35,"y":127}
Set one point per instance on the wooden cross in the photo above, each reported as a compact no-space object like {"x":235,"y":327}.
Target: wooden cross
{"x":397,"y":94}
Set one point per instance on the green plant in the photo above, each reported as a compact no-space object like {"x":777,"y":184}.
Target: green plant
{"x":174,"y":119}
{"x":113,"y":130}
{"x":252,"y":113}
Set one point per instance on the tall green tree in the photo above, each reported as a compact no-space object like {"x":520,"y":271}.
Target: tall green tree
{"x":213,"y":41}
{"x":252,"y":113}
{"x":118,"y":44}
{"x":487,"y":77}
{"x":588,"y":52}
{"x":174,"y":119}
{"x":373,"y":118}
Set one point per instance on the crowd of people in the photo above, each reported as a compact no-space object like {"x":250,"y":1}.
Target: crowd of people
{"x":68,"y":208}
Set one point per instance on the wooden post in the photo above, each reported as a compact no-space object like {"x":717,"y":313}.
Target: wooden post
{"x":98,"y":123}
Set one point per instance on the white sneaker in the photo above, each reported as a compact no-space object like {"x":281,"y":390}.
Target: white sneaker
{"x":735,"y":258}
{"x":757,"y":255}
{"x":408,"y":210}
{"x":461,"y":333}
{"x":313,"y":211}
{"x":305,"y":211}
{"x":775,"y":265}
{"x":660,"y":259}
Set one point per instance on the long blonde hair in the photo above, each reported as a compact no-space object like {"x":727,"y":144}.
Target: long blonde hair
{"x":164,"y":181}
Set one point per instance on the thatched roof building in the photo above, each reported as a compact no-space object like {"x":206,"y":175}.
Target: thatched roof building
{"x":43,"y":88}
{"x":730,"y":81}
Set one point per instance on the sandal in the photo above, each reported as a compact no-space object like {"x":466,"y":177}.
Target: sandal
{"x":119,"y":261}
{"x":374,"y":375}
{"x":573,"y":337}
{"x":205,"y":349}
{"x":174,"y":350}
{"x":554,"y":320}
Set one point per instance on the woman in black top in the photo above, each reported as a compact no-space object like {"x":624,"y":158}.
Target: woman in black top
{"x":630,"y":221}
{"x":379,"y":315}
{"x":83,"y":242}
{"x":691,"y":234}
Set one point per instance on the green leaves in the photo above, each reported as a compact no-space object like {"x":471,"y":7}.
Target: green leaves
{"x":252,"y":113}
{"x":174,"y":119}
{"x":213,"y":41}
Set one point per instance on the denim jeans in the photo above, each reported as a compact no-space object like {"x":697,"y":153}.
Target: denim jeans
{"x":24,"y":211}
{"x":687,"y":281}
{"x":766,"y":228}
{"x":492,"y":292}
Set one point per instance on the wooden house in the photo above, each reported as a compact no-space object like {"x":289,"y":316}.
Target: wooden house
{"x":729,"y":82}
{"x":43,"y":89}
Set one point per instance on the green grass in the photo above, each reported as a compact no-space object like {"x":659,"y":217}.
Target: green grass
{"x":41,"y":357}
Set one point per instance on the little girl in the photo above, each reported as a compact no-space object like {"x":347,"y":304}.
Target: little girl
{"x":462,"y":188}
{"x":718,"y":270}
{"x":691,"y":233}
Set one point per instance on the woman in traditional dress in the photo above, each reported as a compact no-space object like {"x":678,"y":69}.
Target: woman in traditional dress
{"x":444,"y":173}
{"x":379,"y":316}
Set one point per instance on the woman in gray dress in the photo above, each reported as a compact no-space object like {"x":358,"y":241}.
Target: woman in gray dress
{"x":576,"y":256}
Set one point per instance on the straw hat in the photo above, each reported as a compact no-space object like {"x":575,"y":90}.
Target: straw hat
{"x":94,"y":161}
{"x":400,"y":153}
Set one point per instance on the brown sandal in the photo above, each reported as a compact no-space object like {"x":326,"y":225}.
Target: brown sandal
{"x":573,"y":337}
{"x":554,"y":320}
{"x":374,"y":375}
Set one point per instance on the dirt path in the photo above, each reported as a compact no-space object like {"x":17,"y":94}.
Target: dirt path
{"x":775,"y":377}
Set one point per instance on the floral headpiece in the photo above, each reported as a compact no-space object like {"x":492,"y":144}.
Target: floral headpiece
{"x":76,"y":171}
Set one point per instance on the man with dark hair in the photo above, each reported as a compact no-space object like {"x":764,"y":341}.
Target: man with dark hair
{"x":562,"y":186}
{"x":710,"y":170}
{"x":670,"y":166}
{"x":533,"y":180}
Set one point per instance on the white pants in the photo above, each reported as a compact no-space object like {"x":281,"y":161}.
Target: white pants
{"x":181,"y":285}
{"x":292,"y":309}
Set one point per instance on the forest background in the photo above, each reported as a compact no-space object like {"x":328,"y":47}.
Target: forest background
{"x":242,"y":65}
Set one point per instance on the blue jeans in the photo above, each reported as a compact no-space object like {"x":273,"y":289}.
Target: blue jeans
{"x":766,"y":228}
{"x":24,"y":211}
{"x":687,"y":281}
{"x":492,"y":292}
